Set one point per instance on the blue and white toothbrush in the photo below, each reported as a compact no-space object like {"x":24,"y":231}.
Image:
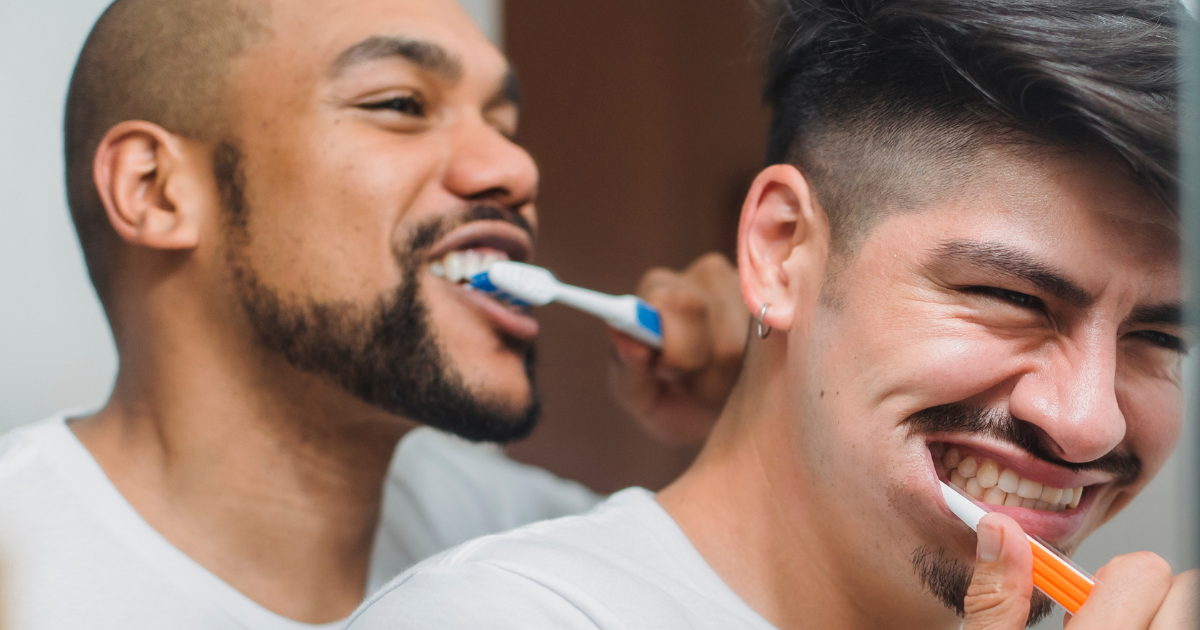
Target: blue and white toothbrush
{"x":526,"y":285}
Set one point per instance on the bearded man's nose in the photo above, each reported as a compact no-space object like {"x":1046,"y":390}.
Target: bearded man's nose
{"x":487,"y":165}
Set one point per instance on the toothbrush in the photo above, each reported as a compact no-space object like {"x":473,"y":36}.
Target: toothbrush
{"x":1053,"y":573}
{"x":526,"y":285}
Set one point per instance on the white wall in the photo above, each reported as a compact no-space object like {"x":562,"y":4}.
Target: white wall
{"x":55,"y":348}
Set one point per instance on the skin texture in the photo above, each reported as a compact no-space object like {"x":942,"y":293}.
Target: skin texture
{"x":266,"y":474}
{"x":814,"y":483}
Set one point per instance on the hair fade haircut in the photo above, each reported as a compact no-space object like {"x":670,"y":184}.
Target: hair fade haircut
{"x":161,"y":61}
{"x":884,"y":102}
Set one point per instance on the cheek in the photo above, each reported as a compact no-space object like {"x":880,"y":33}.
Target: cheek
{"x":922,"y":355}
{"x":326,"y":216}
{"x":1153,"y":411}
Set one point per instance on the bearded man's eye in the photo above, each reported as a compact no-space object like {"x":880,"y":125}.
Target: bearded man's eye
{"x":407,"y":105}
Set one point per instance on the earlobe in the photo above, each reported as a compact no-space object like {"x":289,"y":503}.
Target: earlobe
{"x":783,"y":240}
{"x":135,"y":169}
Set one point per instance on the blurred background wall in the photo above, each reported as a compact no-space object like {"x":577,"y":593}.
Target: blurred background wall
{"x":644,"y":117}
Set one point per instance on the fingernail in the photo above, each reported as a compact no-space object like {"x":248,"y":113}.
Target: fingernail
{"x":990,"y":539}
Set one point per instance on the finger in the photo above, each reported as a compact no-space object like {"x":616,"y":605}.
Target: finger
{"x":1129,"y":591}
{"x":687,"y":339}
{"x":632,"y":376}
{"x":1181,"y":607}
{"x":998,"y":597}
{"x":630,"y":352}
{"x":728,"y":317}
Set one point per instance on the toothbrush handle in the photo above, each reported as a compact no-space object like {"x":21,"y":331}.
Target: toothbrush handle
{"x":626,"y":313}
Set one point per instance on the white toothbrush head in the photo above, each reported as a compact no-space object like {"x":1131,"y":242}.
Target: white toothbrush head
{"x":518,"y":281}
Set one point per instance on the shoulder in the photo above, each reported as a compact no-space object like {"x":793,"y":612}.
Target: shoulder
{"x":474,"y":594}
{"x":462,"y":490}
{"x":442,"y":491}
{"x":571,"y":572}
{"x":24,"y":453}
{"x":427,"y":457}
{"x":70,"y":568}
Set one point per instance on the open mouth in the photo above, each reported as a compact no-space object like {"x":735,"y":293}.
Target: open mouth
{"x":988,"y":481}
{"x":461,"y":265}
{"x":471,"y":250}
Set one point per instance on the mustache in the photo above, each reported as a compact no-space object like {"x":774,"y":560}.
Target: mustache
{"x":429,"y":232}
{"x":1000,"y":425}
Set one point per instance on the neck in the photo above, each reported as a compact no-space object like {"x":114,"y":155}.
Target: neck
{"x":750,"y":510}
{"x":269,"y":477}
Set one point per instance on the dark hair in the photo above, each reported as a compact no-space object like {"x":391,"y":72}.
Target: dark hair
{"x":867,"y":95}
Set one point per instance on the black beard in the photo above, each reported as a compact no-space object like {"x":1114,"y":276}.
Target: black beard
{"x":385,"y":355}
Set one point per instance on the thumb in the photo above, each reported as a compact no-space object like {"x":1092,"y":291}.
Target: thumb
{"x":998,"y":597}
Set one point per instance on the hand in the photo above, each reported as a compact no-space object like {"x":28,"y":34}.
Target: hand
{"x":1132,"y":592}
{"x":677,"y":394}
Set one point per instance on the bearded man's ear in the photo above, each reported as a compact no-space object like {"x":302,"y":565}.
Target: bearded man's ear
{"x":147,"y":177}
{"x":783,"y":244}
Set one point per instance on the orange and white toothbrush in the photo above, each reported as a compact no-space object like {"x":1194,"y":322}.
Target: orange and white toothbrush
{"x":1053,"y":573}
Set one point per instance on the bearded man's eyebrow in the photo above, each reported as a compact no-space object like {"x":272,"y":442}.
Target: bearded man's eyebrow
{"x":1009,"y":261}
{"x":426,"y":55}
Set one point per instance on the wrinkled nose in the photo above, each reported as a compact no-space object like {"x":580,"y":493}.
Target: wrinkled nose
{"x":1072,"y":397}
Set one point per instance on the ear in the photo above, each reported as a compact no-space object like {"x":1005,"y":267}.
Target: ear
{"x":783,"y":244}
{"x":144,"y":176}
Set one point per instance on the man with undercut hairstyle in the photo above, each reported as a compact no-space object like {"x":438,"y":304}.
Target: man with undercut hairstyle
{"x":262,"y":190}
{"x":964,"y":259}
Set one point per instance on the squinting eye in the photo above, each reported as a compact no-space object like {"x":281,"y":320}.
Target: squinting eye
{"x":1019,"y":299}
{"x":407,"y":105}
{"x":1163,"y":340}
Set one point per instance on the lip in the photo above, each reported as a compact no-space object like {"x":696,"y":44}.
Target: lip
{"x":1054,"y":527}
{"x":497,"y":235}
{"x":517,"y":244}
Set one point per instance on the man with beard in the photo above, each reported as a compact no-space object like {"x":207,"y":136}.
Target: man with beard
{"x":261,"y":189}
{"x":965,"y":262}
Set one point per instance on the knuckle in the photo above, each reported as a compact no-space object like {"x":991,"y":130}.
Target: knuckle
{"x":1143,"y":564}
{"x":984,"y":594}
{"x":683,"y":302}
{"x":1189,"y":577}
{"x":1148,"y":562}
{"x":712,"y":262}
{"x":655,"y":279}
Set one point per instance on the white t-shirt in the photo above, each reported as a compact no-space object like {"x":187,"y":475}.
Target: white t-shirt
{"x":76,"y":555}
{"x":625,"y":565}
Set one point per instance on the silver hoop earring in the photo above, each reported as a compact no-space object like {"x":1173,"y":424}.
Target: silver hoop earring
{"x":763,"y":331}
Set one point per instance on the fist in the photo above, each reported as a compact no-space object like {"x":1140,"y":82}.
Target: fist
{"x":677,"y":393}
{"x":1132,"y":592}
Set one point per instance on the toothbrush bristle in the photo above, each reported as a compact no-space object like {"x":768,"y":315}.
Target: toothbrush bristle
{"x":481,"y":282}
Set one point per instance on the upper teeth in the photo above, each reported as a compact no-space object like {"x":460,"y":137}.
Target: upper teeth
{"x":458,"y":266}
{"x":987,"y":482}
